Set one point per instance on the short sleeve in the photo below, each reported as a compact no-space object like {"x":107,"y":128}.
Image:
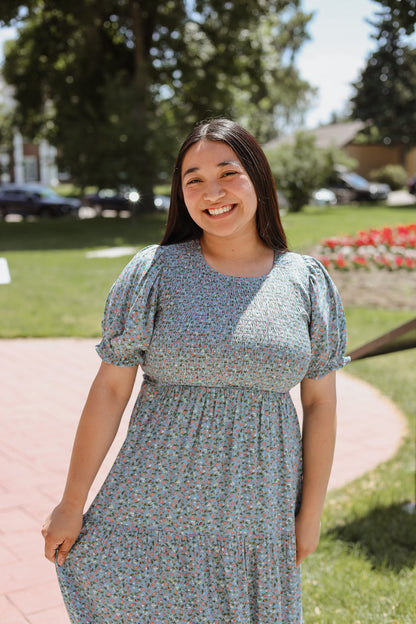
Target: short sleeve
{"x":129,"y":314}
{"x":327,"y":327}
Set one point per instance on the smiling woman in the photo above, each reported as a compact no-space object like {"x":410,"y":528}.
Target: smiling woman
{"x":215,"y":498}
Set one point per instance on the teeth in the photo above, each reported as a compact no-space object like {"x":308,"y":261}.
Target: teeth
{"x":218,"y":211}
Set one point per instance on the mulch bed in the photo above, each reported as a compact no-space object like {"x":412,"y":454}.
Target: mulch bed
{"x":377,"y":288}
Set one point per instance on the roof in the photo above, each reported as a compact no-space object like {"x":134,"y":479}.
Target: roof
{"x":338,"y":135}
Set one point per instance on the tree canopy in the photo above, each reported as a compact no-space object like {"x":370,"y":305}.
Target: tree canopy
{"x":114,"y":84}
{"x":403,"y":12}
{"x":385,"y":92}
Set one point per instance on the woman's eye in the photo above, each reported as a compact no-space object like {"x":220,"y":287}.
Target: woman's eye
{"x":193,"y":181}
{"x":226,"y":174}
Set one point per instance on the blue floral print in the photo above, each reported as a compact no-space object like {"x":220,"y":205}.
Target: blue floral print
{"x":195,"y":521}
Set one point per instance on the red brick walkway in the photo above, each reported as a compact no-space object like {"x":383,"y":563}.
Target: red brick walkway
{"x":44,"y":385}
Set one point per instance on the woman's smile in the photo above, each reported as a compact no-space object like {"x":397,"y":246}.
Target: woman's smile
{"x":215,"y":212}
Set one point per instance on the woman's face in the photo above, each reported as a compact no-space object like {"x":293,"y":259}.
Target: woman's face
{"x":217,"y":190}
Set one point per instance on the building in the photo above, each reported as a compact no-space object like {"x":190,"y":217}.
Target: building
{"x":23,"y":160}
{"x":368,"y":157}
{"x":30,"y":162}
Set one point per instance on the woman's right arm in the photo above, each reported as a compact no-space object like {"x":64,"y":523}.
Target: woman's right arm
{"x":100,"y":419}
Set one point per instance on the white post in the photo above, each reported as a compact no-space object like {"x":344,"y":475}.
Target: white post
{"x":19,"y":170}
{"x":43,"y":162}
{"x":5,"y":164}
{"x":53,"y":167}
{"x":47,"y":162}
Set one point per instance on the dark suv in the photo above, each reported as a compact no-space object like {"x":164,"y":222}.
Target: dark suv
{"x":35,"y":200}
{"x":109,"y":199}
{"x":349,"y":187}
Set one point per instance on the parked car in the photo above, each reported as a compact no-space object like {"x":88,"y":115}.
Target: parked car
{"x":412,"y":185}
{"x":349,"y":186}
{"x":324,"y":197}
{"x":110,"y":199}
{"x":35,"y":200}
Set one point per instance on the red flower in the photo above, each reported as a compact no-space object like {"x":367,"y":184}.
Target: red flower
{"x":326,"y":261}
{"x":340,"y":261}
{"x":360,"y":260}
{"x":393,"y":238}
{"x":331,"y":243}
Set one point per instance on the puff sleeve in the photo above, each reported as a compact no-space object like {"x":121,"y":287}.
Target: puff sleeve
{"x":327,"y":328}
{"x":130,"y":310}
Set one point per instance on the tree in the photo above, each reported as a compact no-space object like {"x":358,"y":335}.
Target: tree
{"x":403,"y":12}
{"x":385,"y":92}
{"x":6,"y":127}
{"x":113,"y":83}
{"x":299,"y":167}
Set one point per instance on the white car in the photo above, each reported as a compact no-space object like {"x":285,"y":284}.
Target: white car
{"x":324,"y":197}
{"x":162,"y":202}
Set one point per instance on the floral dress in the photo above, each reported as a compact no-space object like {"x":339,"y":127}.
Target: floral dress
{"x":195,"y":521}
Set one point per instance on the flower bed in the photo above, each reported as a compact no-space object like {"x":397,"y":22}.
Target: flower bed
{"x":391,"y":248}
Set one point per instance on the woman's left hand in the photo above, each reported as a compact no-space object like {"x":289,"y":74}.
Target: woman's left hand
{"x":307,"y":536}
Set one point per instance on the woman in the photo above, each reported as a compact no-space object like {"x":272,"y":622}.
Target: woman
{"x":214,"y":499}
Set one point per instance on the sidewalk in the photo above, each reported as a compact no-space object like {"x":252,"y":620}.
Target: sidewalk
{"x":44,"y":385}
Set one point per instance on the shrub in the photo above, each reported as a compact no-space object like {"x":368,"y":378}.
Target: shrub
{"x":299,"y":167}
{"x":393,"y":175}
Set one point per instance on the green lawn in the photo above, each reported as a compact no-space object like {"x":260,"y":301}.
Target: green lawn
{"x":365,"y":569}
{"x":56,"y":290}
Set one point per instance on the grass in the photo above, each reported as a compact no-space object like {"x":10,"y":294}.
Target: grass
{"x":56,"y":293}
{"x":364,"y":571}
{"x":69,"y":233}
{"x":56,"y":290}
{"x":365,"y":568}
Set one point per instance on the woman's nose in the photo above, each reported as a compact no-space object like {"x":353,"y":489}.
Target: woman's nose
{"x":213,"y":191}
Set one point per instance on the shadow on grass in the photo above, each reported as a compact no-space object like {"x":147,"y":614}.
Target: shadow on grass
{"x":386,"y":536}
{"x":71,"y":233}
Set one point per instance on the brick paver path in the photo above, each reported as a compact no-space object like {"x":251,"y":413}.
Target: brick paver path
{"x":43,"y":386}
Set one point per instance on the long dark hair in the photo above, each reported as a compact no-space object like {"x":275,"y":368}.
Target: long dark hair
{"x":180,"y":227}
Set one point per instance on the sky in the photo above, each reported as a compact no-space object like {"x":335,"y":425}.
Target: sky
{"x":337,"y":52}
{"x":333,"y":59}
